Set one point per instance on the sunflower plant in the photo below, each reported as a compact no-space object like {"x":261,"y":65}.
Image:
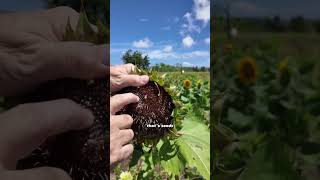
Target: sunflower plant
{"x":185,"y":149}
{"x":264,"y":122}
{"x":180,"y":148}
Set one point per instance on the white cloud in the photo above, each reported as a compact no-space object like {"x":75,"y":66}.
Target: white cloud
{"x":166,"y":28}
{"x":117,"y":50}
{"x":188,"y":64}
{"x":189,"y":26}
{"x":193,"y":54}
{"x":162,"y":55}
{"x":188,"y":41}
{"x":200,"y":13}
{"x":202,"y":10}
{"x":143,"y":20}
{"x":143,"y":43}
{"x":167,"y":48}
{"x":207,"y":40}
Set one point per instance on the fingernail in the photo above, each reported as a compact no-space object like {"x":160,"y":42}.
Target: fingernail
{"x":128,"y":153}
{"x":144,"y":79}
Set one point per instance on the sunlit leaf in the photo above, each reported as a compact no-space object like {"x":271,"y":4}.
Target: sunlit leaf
{"x":194,"y":146}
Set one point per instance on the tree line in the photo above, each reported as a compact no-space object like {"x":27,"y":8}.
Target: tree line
{"x":269,"y":24}
{"x":143,"y":62}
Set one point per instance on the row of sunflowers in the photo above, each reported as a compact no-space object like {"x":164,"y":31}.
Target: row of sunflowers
{"x":266,"y":124}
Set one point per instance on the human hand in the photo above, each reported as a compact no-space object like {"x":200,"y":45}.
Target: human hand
{"x":122,"y":76}
{"x":32,"y":51}
{"x":120,"y":132}
{"x":26,"y":126}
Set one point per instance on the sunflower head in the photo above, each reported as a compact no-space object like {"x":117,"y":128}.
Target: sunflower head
{"x":155,"y":116}
{"x":284,"y":73}
{"x":187,"y":84}
{"x":247,"y":69}
{"x":283,"y":65}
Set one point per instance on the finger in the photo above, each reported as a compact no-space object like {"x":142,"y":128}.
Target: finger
{"x":127,"y":68}
{"x":126,"y":136}
{"x":123,"y":121}
{"x":126,"y":151}
{"x":47,"y":173}
{"x":133,"y":80}
{"x":57,"y":116}
{"x":120,"y":100}
{"x":25,"y":127}
{"x":74,"y":60}
{"x":51,"y":61}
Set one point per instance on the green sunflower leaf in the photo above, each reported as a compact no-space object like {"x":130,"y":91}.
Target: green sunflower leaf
{"x":69,"y":33}
{"x":194,"y":145}
{"x":169,"y":159}
{"x":84,"y":31}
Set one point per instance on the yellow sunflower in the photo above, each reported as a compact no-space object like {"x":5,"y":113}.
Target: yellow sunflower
{"x":187,"y":83}
{"x":247,"y":69}
{"x":284,"y":73}
{"x":283,"y":65}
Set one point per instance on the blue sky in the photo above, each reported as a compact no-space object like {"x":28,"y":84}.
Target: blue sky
{"x":168,"y":31}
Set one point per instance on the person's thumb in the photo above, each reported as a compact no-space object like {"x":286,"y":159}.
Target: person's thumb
{"x":118,"y":101}
{"x":43,"y":173}
{"x":26,"y":126}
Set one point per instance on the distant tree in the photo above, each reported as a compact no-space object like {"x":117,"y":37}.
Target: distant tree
{"x":156,"y":67}
{"x":276,"y":24}
{"x":195,"y":68}
{"x":203,"y":69}
{"x":268,"y":24}
{"x":316,"y":26}
{"x":298,"y":24}
{"x":136,"y":58}
{"x":179,"y":67}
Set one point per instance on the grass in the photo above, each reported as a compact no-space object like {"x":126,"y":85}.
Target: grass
{"x":298,"y":45}
{"x":205,"y":76}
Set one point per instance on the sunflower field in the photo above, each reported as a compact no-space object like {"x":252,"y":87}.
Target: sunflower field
{"x":185,"y":152}
{"x":266,"y":115}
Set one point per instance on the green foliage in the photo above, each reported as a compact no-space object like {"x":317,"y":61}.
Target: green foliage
{"x":136,"y":58}
{"x":267,"y":129}
{"x":85,"y":31}
{"x":276,"y":23}
{"x":96,"y":9}
{"x":262,"y":167}
{"x":298,"y":24}
{"x":194,"y":145}
{"x":178,"y":68}
{"x":185,"y":151}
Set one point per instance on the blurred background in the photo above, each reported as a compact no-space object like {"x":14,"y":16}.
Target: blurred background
{"x":266,"y":93}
